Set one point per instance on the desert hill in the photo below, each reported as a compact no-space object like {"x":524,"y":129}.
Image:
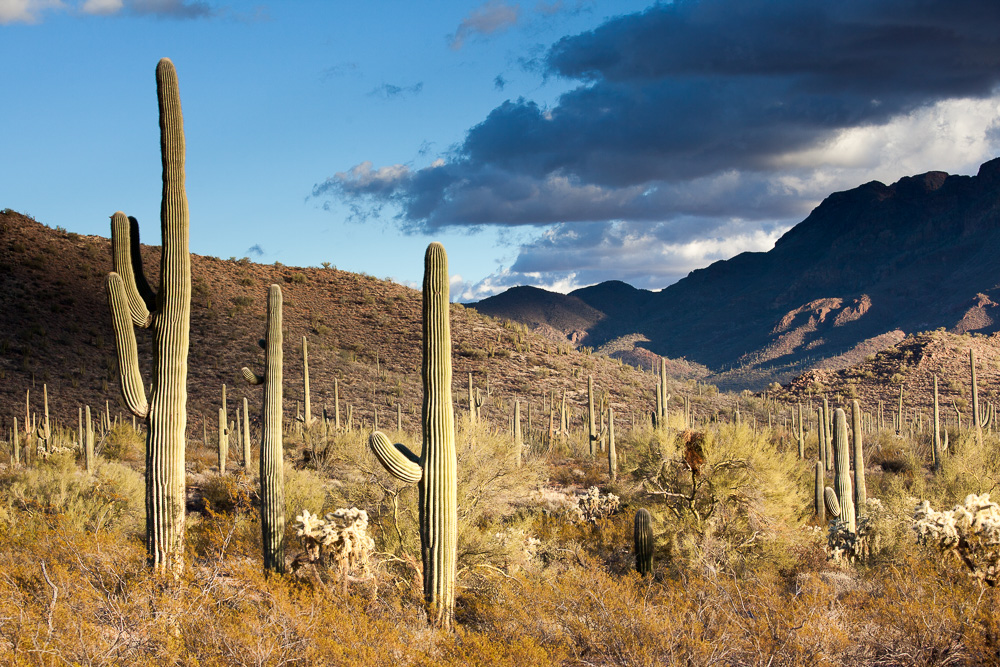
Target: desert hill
{"x":867,"y":267}
{"x":55,"y":330}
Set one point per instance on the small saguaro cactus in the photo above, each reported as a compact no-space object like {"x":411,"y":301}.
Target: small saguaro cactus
{"x":475,"y":402}
{"x":858,"y":456}
{"x":223,"y":441}
{"x":643,"y":538}
{"x":436,"y":468}
{"x":819,"y":503}
{"x":246,"y":435}
{"x":842,"y":472}
{"x":305,"y":383}
{"x":936,"y":440}
{"x":591,"y":417}
{"x":801,"y":436}
{"x":272,"y":475}
{"x":168,"y":314}
{"x":518,"y":439}
{"x":980,"y":418}
{"x":612,"y":454}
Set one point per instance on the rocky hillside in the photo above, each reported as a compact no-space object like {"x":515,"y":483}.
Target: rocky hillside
{"x":55,"y":330}
{"x":867,"y":267}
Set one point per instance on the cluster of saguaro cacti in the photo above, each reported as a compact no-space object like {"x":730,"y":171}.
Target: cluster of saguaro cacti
{"x":662,"y":397}
{"x":168,"y":314}
{"x":272,"y":476}
{"x":981,"y":418}
{"x":643,"y":538}
{"x":435,"y":469}
{"x":475,"y":402}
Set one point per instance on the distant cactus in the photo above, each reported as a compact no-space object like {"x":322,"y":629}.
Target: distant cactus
{"x":435,"y":468}
{"x":132,"y":301}
{"x":801,"y":436}
{"x":591,"y":417}
{"x":272,"y":475}
{"x":858,"y":455}
{"x":475,"y":402}
{"x":936,"y":440}
{"x":643,"y":538}
{"x":223,"y":441}
{"x":980,"y":418}
{"x":518,"y":439}
{"x":612,"y":454}
{"x":88,"y":439}
{"x":819,"y":502}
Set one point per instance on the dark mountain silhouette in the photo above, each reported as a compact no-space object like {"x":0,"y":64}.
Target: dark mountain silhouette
{"x":866,"y":267}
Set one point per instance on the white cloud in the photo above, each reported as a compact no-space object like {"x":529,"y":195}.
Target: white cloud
{"x":102,"y":6}
{"x":25,"y":11}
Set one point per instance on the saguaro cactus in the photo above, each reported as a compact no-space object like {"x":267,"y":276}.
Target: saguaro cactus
{"x":518,"y":438}
{"x":591,"y":417}
{"x":612,"y":454}
{"x":88,"y":448}
{"x":246,"y":435}
{"x":223,"y":441}
{"x":819,"y":503}
{"x":980,"y":418}
{"x":272,"y":474}
{"x":858,"y":455}
{"x":842,"y":473}
{"x":435,"y":469}
{"x":168,"y":314}
{"x":936,"y":450}
{"x":643,"y":538}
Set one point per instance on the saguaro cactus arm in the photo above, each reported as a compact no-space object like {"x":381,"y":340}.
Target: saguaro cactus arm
{"x":130,"y":379}
{"x":126,"y":261}
{"x":250,"y":376}
{"x":401,"y":463}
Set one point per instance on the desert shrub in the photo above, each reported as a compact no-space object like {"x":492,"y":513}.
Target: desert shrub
{"x":121,"y":443}
{"x":113,"y":498}
{"x":723,"y":496}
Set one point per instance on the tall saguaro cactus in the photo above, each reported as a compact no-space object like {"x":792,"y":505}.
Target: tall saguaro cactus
{"x":168,"y":314}
{"x":858,"y":457}
{"x":980,"y":418}
{"x":436,"y":467}
{"x":842,"y":475}
{"x":272,"y":474}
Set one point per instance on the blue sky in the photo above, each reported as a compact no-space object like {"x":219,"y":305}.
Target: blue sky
{"x":555,"y":143}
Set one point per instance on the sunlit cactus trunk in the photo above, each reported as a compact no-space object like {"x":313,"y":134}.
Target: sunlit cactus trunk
{"x":612,"y":454}
{"x":436,"y":469}
{"x":936,"y":451}
{"x":842,"y":474}
{"x":819,"y":506}
{"x":88,"y":439}
{"x":858,"y":456}
{"x":272,"y":473}
{"x":168,"y":314}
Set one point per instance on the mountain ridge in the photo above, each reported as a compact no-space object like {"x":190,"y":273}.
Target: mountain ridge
{"x":865,"y":267}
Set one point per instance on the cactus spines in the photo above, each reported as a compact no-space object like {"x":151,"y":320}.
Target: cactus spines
{"x":435,"y":469}
{"x":131,"y":302}
{"x":643,"y":538}
{"x":858,"y":456}
{"x":842,"y":472}
{"x":272,"y":475}
{"x":831,"y":502}
{"x":819,"y":503}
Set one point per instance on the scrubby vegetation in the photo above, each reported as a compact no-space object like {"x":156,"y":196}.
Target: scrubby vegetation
{"x":742,"y":573}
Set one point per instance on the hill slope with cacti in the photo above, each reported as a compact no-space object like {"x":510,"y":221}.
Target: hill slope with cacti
{"x":55,"y":330}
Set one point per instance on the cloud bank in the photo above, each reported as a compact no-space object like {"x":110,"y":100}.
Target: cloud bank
{"x":700,"y":128}
{"x":33,"y":11}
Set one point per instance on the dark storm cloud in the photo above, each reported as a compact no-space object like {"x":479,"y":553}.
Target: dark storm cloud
{"x":675,"y":98}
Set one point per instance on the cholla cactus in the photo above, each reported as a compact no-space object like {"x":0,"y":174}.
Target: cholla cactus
{"x":970,"y":531}
{"x":342,"y":537}
{"x":594,"y":505}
